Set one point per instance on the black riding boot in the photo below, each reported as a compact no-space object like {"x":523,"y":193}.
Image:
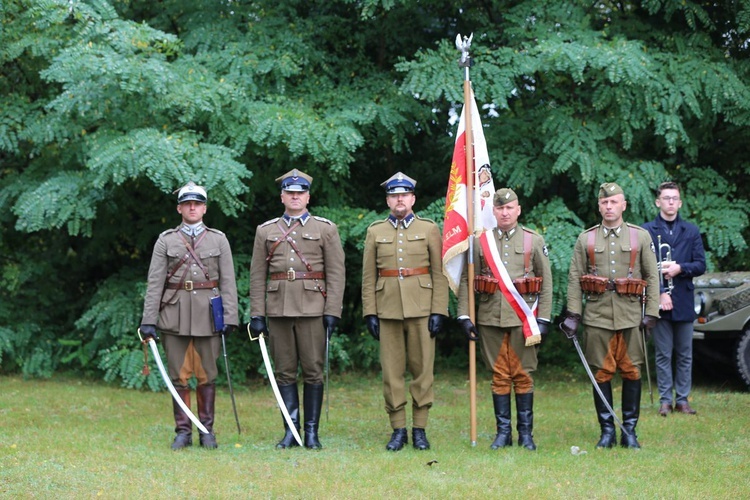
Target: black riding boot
{"x":606,"y":420}
{"x":313,"y":403}
{"x":206,"y":395}
{"x":183,"y":426}
{"x":291,"y":401}
{"x":502,"y":418}
{"x":525,"y":420}
{"x":631,"y":410}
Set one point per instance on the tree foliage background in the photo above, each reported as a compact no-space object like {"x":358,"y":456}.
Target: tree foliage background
{"x":106,"y":107}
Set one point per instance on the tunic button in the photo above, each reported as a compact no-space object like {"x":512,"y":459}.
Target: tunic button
{"x":400,"y":249}
{"x":613,"y":271}
{"x":613,"y":262}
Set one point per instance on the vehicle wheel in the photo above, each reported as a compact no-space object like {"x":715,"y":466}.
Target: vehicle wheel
{"x":743,"y":357}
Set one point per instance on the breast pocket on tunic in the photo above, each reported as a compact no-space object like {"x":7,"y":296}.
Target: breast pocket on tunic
{"x":210,"y":259}
{"x":385,"y":250}
{"x":417,"y":244}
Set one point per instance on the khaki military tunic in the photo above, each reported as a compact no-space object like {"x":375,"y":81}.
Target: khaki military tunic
{"x":403,"y":306}
{"x":501,"y":339}
{"x":294,"y":307}
{"x":612,"y":339}
{"x":184,"y":312}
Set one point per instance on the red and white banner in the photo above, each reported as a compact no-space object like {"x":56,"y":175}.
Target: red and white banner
{"x":456,"y":226}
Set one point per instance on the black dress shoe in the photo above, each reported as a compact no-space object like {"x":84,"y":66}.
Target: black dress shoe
{"x":398,"y":439}
{"x":419,"y":439}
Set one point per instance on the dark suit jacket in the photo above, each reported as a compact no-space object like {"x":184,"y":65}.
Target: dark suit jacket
{"x":688,"y":252}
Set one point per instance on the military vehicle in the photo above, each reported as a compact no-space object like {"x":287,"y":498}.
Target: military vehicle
{"x":722,"y":329}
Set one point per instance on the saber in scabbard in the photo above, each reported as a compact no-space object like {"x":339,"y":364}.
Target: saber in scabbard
{"x":596,"y":386}
{"x":152,"y":344}
{"x":269,"y":369}
{"x":645,"y":348}
{"x":328,"y":392}
{"x":229,"y":381}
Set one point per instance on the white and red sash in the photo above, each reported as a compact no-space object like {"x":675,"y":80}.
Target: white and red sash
{"x":515,"y":299}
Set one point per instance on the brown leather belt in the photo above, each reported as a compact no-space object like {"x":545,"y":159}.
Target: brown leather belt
{"x":193,"y":285}
{"x":403,"y":272}
{"x":292,"y":275}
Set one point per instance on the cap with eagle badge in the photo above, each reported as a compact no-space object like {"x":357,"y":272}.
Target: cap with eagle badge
{"x":504,"y":196}
{"x":609,"y":189}
{"x":295,"y":180}
{"x":399,"y":183}
{"x":191,"y":192}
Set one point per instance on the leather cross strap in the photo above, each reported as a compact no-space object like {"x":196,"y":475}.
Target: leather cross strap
{"x":173,"y":271}
{"x":403,"y":272}
{"x":633,"y":249}
{"x":590,"y":250}
{"x":193,"y":285}
{"x":191,"y":249}
{"x":526,"y":252}
{"x":284,"y":235}
{"x":292,"y":275}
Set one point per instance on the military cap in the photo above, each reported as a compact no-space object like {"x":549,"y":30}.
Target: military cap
{"x":399,"y":183}
{"x":504,"y":196}
{"x":295,"y":180}
{"x":609,"y":189}
{"x":191,"y":192}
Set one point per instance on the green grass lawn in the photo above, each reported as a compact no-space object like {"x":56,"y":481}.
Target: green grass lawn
{"x":69,"y":438}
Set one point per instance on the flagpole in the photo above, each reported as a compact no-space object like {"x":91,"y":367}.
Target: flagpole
{"x":465,"y":62}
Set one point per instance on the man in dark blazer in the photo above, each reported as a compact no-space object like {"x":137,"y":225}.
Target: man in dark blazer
{"x":680,"y":261}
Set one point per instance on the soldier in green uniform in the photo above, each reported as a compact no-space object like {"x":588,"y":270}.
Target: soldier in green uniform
{"x":507,"y":351}
{"x":612,"y":263}
{"x":190,"y":264}
{"x":404,"y":302}
{"x":297,"y":279}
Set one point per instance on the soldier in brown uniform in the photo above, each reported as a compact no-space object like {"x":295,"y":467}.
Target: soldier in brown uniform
{"x":404,"y":302}
{"x":507,"y":352}
{"x":612,"y":263}
{"x":190,"y":265}
{"x":297,"y":279}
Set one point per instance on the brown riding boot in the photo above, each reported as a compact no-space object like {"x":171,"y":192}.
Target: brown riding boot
{"x":183,"y":426}
{"x":206,"y":394}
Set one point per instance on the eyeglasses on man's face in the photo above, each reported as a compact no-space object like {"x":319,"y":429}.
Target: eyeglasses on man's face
{"x":667,"y":199}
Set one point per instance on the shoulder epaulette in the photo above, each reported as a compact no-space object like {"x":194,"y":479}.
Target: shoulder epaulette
{"x":272,"y":221}
{"x":529,"y":230}
{"x":213,"y":230}
{"x":592,"y":228}
{"x":424,"y":219}
{"x":636,"y":226}
{"x":377,"y":222}
{"x":170,"y":230}
{"x":323,"y":219}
